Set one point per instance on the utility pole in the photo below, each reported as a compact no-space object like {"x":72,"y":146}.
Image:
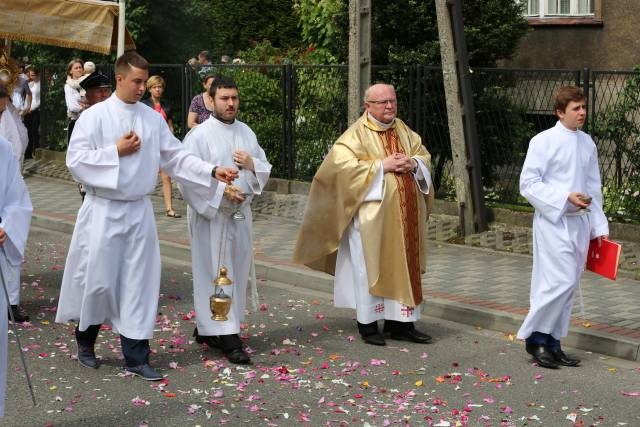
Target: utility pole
{"x":359,"y":55}
{"x":461,"y":117}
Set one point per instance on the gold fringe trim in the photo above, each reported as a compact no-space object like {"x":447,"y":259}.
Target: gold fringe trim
{"x":30,"y":38}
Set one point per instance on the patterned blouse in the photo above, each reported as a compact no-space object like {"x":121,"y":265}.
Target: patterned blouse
{"x":197,"y":106}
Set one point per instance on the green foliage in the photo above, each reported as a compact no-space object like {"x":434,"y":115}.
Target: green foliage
{"x":320,"y":104}
{"x":501,"y":132}
{"x":320,"y":115}
{"x":229,"y":26}
{"x":54,"y":116}
{"x":322,"y":24}
{"x":406,"y":31}
{"x":618,"y":124}
{"x":261,"y":108}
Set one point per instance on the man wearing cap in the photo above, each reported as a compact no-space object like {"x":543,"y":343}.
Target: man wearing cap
{"x":97,"y":87}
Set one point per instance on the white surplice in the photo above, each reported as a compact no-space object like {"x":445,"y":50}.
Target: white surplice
{"x":14,"y":131}
{"x":15,"y":217}
{"x":112,"y":272}
{"x":210,"y":221}
{"x":351,"y":286}
{"x":12,"y":128}
{"x":559,"y":161}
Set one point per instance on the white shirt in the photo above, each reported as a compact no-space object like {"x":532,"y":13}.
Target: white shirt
{"x":35,"y":95}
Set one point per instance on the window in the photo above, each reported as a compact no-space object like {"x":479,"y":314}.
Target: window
{"x":559,"y":8}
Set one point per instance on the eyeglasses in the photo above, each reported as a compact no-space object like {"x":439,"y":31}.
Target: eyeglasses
{"x":384,"y":102}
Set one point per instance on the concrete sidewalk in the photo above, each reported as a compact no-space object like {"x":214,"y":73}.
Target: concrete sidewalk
{"x":484,"y":288}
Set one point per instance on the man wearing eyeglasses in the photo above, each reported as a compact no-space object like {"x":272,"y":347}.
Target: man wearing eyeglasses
{"x":366,"y":220}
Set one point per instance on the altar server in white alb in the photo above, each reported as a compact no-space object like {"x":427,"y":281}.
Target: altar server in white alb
{"x":561,"y":179}
{"x":216,"y":238}
{"x":11,"y":126}
{"x":15,"y":216}
{"x":112,"y":272}
{"x":13,"y":130}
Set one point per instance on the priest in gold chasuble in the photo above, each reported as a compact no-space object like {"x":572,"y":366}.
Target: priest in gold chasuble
{"x":366,"y":220}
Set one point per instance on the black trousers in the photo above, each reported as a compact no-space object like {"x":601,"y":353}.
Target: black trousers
{"x":136,"y":352}
{"x":32,"y":123}
{"x":72,"y":123}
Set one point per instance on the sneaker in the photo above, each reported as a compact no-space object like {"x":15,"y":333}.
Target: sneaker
{"x":87,"y":357}
{"x":146,"y":372}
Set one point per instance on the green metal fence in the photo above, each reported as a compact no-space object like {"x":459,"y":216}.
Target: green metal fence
{"x":298,"y":111}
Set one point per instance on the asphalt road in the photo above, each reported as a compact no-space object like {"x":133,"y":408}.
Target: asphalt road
{"x":310,"y":368}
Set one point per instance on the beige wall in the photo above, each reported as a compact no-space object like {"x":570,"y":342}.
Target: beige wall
{"x":614,"y":45}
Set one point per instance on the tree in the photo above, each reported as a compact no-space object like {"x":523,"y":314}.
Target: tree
{"x":406,"y":31}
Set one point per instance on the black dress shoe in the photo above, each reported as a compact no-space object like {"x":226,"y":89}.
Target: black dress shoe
{"x":562,"y":359}
{"x":412,"y":335}
{"x":238,"y":356}
{"x":542,"y":356}
{"x":374,"y":339}
{"x":146,"y":372}
{"x":18,"y":315}
{"x":87,"y":356}
{"x":212,"y":342}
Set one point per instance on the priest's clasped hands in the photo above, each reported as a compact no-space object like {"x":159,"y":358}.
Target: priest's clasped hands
{"x":398,"y":163}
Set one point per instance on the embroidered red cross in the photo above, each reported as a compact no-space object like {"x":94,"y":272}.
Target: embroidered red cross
{"x":379,"y":308}
{"x":406,"y":311}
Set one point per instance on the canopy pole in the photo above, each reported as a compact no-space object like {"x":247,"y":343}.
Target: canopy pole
{"x":7,"y":47}
{"x":121,"y":24}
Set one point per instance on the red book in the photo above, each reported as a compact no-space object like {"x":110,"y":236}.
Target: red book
{"x":604,"y":260}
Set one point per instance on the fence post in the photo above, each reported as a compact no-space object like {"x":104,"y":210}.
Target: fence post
{"x":411,"y":91}
{"x":286,"y":154}
{"x":44,"y":120}
{"x":290,"y":117}
{"x":585,"y":89}
{"x":419,"y":123}
{"x":184,"y":99}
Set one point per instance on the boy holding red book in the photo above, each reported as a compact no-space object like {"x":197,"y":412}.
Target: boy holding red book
{"x":561,"y":179}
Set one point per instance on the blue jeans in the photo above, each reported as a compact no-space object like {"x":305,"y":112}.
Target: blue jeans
{"x":538,"y":338}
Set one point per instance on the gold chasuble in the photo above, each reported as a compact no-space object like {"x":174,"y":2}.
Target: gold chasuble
{"x":393,"y":230}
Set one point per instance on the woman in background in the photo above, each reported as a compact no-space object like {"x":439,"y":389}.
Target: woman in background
{"x":155,"y":86}
{"x":202,"y":104}
{"x":73,"y":93}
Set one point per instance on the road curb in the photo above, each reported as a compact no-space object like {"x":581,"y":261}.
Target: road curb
{"x":579,"y":337}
